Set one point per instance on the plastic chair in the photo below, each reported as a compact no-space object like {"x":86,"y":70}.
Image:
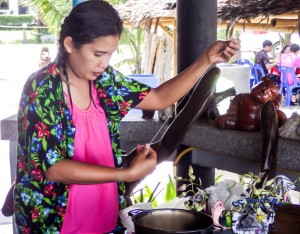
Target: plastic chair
{"x":259,"y":68}
{"x":248,"y":62}
{"x":284,"y":82}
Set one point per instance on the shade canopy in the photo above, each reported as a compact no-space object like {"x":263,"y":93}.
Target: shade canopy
{"x":271,"y":15}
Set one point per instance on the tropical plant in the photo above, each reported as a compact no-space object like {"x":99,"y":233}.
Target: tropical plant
{"x":52,"y":12}
{"x":147,"y":195}
{"x":49,"y":12}
{"x":133,"y":38}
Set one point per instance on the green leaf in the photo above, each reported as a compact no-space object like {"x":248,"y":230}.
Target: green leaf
{"x":47,"y":200}
{"x":49,"y":12}
{"x":218,"y":178}
{"x":269,"y":182}
{"x":171,"y":190}
{"x":44,"y":144}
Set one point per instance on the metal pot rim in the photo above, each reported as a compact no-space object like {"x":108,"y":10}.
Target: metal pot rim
{"x":142,"y":214}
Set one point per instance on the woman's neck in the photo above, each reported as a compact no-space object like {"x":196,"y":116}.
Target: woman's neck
{"x":77,"y":88}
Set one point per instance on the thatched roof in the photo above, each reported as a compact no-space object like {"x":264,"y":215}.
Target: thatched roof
{"x":272,"y":15}
{"x":138,"y":11}
{"x":229,"y":10}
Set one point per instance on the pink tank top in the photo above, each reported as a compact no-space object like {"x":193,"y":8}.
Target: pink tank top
{"x":91,"y":208}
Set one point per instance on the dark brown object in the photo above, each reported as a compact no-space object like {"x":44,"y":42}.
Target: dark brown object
{"x":286,"y":220}
{"x":269,"y":136}
{"x":175,"y":133}
{"x":8,"y":206}
{"x":244,"y":110}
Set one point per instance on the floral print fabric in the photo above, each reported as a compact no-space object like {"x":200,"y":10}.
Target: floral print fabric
{"x":46,"y":136}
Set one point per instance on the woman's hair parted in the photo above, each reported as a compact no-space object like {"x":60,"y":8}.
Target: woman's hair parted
{"x":87,"y":21}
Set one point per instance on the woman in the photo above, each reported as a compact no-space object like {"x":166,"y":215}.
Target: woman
{"x":69,"y":175}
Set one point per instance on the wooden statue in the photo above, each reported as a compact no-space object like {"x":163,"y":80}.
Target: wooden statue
{"x":244,"y":110}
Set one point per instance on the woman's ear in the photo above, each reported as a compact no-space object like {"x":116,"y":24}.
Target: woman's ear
{"x":68,"y":44}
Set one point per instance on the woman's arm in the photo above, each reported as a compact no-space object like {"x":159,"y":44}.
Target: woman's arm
{"x":175,"y":88}
{"x":70,"y":171}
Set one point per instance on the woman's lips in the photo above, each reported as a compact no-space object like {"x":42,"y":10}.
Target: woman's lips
{"x":97,"y":73}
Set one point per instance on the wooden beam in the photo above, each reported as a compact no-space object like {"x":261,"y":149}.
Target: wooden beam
{"x":165,"y":30}
{"x":167,"y":21}
{"x":258,"y":27}
{"x":287,"y":15}
{"x":284,"y":22}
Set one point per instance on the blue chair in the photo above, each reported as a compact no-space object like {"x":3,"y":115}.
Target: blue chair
{"x":257,"y":68}
{"x":248,"y":62}
{"x":284,"y":82}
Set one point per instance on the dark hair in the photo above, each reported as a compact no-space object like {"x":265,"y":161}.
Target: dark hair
{"x":87,"y":21}
{"x":284,"y":48}
{"x":267,"y":43}
{"x":295,"y":48}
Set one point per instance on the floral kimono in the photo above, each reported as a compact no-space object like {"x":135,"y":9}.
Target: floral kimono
{"x":46,"y":136}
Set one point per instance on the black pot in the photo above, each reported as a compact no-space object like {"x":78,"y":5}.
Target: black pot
{"x":161,"y":221}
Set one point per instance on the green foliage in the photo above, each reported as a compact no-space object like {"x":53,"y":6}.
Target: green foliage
{"x":197,"y":201}
{"x":50,"y":12}
{"x":171,"y":190}
{"x":15,"y":20}
{"x":134,"y":39}
{"x":117,"y":2}
{"x":222,"y":35}
{"x":147,"y":195}
{"x":218,"y":178}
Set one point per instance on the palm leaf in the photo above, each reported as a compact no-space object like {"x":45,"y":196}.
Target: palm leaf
{"x":50,"y":12}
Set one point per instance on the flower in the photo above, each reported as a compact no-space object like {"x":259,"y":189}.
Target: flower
{"x":252,"y":208}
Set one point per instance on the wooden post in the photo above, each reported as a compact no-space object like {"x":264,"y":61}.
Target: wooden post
{"x":24,"y":27}
{"x":196,"y":30}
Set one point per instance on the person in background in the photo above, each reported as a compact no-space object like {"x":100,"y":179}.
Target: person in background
{"x":69,"y":163}
{"x":285,"y":50}
{"x":262,"y":58}
{"x":291,"y":60}
{"x":287,"y":59}
{"x":295,"y":49}
{"x":45,"y":57}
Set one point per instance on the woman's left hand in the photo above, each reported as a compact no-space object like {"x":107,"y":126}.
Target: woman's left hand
{"x":222,"y":51}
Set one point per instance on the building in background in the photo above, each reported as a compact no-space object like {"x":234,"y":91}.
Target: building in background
{"x":11,"y":7}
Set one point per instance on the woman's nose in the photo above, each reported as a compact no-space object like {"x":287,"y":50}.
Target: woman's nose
{"x":103,"y":63}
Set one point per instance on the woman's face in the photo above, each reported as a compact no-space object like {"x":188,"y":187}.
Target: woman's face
{"x":90,"y":61}
{"x":287,"y":50}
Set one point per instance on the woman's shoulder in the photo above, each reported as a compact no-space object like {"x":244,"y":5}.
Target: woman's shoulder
{"x":47,"y":72}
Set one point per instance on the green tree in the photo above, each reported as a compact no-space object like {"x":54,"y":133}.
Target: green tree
{"x":49,"y":12}
{"x":133,"y":39}
{"x":52,"y":12}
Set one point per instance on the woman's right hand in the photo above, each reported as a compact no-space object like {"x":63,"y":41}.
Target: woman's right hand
{"x":143,"y":164}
